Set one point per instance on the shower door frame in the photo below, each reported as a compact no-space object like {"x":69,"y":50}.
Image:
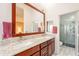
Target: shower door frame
{"x":77,"y":34}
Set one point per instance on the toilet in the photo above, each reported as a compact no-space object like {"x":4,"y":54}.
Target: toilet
{"x":60,"y":43}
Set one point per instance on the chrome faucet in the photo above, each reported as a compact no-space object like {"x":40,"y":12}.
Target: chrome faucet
{"x":21,"y":37}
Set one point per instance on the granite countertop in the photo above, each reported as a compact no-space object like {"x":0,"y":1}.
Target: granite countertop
{"x":17,"y":45}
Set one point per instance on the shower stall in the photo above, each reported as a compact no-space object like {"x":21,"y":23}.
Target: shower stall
{"x":69,"y":30}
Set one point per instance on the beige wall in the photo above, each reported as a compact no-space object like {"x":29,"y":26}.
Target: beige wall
{"x":5,"y":15}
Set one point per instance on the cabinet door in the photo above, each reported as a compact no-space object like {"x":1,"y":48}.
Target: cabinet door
{"x":44,"y":51}
{"x":51,"y":49}
{"x":29,"y":52}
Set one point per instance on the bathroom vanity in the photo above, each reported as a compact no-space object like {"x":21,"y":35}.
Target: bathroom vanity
{"x":46,"y":48}
{"x":28,"y":36}
{"x":28,"y":46}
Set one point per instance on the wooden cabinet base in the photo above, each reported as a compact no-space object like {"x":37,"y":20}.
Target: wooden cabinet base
{"x":44,"y":49}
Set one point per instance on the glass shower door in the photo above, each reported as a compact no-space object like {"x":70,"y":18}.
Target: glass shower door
{"x":68,"y":33}
{"x":67,"y":29}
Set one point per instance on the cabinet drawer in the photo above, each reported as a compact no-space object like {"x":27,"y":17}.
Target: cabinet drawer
{"x":36,"y":54}
{"x":44,"y":51}
{"x":29,"y":52}
{"x":43,"y":44}
{"x":51,"y":41}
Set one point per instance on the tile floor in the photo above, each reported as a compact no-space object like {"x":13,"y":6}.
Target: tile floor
{"x":66,"y":51}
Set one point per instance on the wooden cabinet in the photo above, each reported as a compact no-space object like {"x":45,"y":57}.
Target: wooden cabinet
{"x":51,"y":47}
{"x":51,"y":40}
{"x":29,"y":52}
{"x":36,"y":54}
{"x":44,"y":49}
{"x":44,"y":44}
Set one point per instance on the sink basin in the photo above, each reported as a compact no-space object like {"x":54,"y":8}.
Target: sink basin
{"x":27,"y":43}
{"x":20,"y":39}
{"x":21,"y":45}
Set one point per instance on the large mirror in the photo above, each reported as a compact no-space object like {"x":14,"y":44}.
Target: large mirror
{"x":27,"y":19}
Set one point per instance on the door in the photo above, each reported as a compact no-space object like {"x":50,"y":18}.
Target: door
{"x":67,"y":29}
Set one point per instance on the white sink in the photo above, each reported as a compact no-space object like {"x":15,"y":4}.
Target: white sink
{"x":22,"y":44}
{"x":27,"y":43}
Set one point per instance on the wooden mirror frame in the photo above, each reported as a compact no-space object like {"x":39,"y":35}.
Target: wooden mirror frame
{"x":14,"y":20}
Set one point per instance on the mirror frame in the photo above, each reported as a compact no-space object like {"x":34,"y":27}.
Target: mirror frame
{"x":14,"y":20}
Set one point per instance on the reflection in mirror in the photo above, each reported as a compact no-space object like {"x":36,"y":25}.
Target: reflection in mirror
{"x":28,"y":20}
{"x":19,"y":20}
